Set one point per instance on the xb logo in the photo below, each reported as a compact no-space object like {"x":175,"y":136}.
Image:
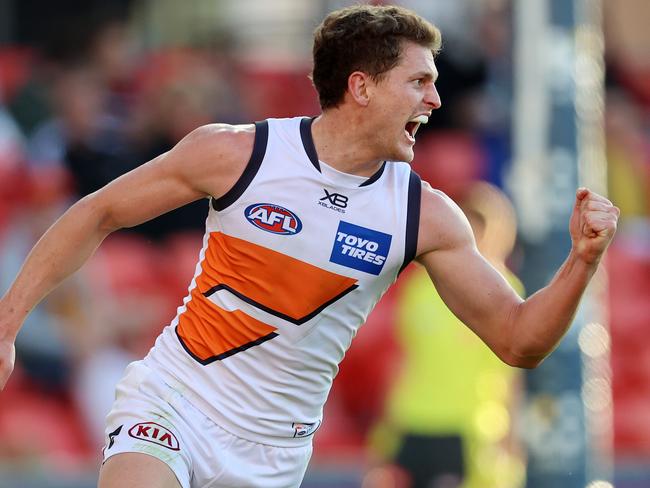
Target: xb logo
{"x":335,"y":199}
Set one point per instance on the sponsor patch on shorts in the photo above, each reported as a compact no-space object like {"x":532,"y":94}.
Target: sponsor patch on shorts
{"x":360,"y":248}
{"x":303,"y":429}
{"x":112,"y":435}
{"x":156,"y":434}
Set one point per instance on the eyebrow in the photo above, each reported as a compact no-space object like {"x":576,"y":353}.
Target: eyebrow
{"x":432,"y":75}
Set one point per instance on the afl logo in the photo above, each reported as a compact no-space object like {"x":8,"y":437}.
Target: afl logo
{"x":273,"y":218}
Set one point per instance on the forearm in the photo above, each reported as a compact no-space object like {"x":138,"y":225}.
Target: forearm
{"x":62,"y":250}
{"x":538,"y":324}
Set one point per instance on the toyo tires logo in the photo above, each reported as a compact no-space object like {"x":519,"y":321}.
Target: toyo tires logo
{"x":360,"y":248}
{"x":273,"y":218}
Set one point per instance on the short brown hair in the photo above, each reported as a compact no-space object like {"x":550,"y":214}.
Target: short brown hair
{"x":364,"y":38}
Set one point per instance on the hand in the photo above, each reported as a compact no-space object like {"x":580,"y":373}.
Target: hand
{"x":7,"y":360}
{"x":592,"y":225}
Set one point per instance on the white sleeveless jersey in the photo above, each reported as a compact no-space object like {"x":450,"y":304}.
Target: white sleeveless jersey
{"x":295,"y":256}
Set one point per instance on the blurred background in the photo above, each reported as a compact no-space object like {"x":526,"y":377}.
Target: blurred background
{"x":539,"y":96}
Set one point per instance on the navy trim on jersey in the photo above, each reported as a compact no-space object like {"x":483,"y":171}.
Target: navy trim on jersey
{"x":412,"y":219}
{"x":308,"y":141}
{"x":374,"y":177}
{"x":296,"y":321}
{"x":226,"y":354}
{"x":310,"y":149}
{"x":253,"y":166}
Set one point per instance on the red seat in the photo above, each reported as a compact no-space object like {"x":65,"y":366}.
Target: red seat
{"x":277,"y":92}
{"x":629,"y":308}
{"x":15,"y":67}
{"x":42,"y":427}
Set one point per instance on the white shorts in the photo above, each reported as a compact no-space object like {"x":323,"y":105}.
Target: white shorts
{"x":150,"y":417}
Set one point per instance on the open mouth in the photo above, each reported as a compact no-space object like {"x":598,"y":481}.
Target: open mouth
{"x":413,"y":125}
{"x":411,"y":128}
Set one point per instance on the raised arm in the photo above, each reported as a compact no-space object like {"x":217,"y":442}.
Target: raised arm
{"x":521,"y":332}
{"x":206,"y":162}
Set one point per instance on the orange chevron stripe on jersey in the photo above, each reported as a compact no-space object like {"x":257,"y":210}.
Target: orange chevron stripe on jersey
{"x":209,"y":333}
{"x":269,"y":280}
{"x":278,"y":284}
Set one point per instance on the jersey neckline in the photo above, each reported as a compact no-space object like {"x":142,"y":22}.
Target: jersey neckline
{"x":330,"y":172}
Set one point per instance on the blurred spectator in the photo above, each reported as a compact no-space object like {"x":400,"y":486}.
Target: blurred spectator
{"x":61,"y":34}
{"x":449,"y":416}
{"x":177,"y":91}
{"x":95,"y":148}
{"x":462,"y":62}
{"x":30,"y":199}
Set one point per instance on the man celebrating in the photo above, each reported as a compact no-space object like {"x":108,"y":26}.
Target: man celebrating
{"x":310,"y":221}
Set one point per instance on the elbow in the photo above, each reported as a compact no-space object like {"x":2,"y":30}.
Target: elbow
{"x":522,"y":359}
{"x":90,"y":209}
{"x":522,"y":362}
{"x":518,"y":351}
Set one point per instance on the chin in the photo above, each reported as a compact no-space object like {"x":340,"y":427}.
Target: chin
{"x":401,"y":151}
{"x":404,"y":154}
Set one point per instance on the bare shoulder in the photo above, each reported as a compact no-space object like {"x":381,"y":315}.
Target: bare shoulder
{"x":214,"y":156}
{"x":443,"y":224}
{"x":225,"y":138}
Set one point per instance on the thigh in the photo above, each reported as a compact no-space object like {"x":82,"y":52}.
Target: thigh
{"x":136,"y":470}
{"x":146,"y":428}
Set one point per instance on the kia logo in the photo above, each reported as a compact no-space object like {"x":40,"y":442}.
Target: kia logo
{"x":152,"y":432}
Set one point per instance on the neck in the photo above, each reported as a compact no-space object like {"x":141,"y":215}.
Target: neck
{"x":344,"y":143}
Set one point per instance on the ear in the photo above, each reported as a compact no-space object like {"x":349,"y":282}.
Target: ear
{"x":358,"y":87}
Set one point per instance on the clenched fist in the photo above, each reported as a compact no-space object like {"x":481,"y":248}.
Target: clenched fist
{"x":592,"y":225}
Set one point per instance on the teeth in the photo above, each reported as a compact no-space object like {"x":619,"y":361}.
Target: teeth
{"x":422,"y":119}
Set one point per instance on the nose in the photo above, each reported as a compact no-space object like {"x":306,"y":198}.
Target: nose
{"x":432,"y":97}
